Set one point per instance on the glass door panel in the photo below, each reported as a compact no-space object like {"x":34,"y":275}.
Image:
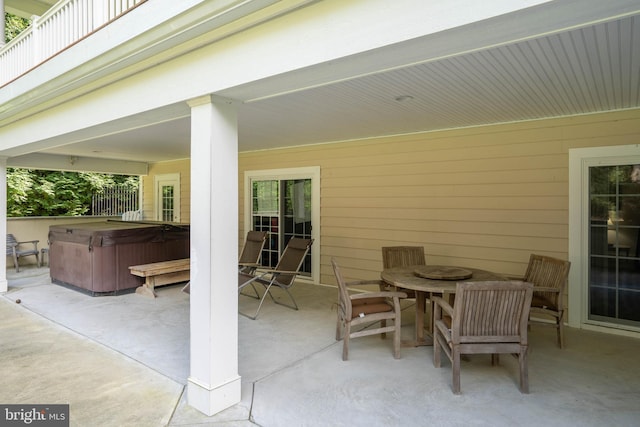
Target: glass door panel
{"x":282,"y":208}
{"x":614,"y":267}
{"x":167,"y":208}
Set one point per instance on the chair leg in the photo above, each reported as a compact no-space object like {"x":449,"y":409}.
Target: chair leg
{"x":436,"y":350}
{"x":383,"y":324}
{"x":396,"y":336}
{"x":247,"y":283}
{"x":15,"y":263}
{"x":257,"y":296}
{"x":524,"y":371}
{"x":455,"y":368}
{"x":560,"y":326}
{"x":259,"y":305}
{"x":345,"y":341}
{"x":293,"y":307}
{"x":495,"y":359}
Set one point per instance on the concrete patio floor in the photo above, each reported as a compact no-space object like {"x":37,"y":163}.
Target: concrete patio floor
{"x":124,"y":361}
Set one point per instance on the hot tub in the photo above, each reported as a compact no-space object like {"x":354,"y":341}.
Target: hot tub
{"x":95,"y":257}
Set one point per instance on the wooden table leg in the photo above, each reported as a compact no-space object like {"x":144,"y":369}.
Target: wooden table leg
{"x":420,"y":339}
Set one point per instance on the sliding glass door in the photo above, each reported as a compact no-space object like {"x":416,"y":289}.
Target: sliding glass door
{"x":614,"y":244}
{"x":282,"y":208}
{"x":285,"y":203}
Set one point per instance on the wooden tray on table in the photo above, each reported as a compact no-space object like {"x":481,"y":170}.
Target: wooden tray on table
{"x":440,"y":272}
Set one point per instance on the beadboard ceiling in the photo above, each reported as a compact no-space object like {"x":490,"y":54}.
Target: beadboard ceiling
{"x":587,"y":69}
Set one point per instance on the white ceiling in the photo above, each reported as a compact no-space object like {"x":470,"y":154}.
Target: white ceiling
{"x":587,"y":70}
{"x":584,"y":70}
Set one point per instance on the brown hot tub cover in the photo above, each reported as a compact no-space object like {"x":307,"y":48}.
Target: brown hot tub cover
{"x":95,"y":257}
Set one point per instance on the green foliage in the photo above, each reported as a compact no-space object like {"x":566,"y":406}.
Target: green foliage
{"x":13,"y":25}
{"x":52,"y":193}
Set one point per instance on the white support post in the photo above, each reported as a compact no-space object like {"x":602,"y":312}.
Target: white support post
{"x":214,"y":383}
{"x":4,"y":286}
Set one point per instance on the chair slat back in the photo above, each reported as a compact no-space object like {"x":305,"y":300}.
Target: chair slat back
{"x":253,"y":246}
{"x":548,"y":272}
{"x":292,"y":258}
{"x":495,"y":311}
{"x":11,"y":242}
{"x":402,"y":256}
{"x":344,"y":303}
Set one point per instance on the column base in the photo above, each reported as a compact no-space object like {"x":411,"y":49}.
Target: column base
{"x":211,"y":401}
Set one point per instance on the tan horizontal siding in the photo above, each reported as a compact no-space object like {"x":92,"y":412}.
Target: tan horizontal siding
{"x":438,"y":214}
{"x":484,"y":197}
{"x":520,"y":202}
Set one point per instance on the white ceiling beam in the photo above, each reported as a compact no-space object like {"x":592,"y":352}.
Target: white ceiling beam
{"x":41,"y":161}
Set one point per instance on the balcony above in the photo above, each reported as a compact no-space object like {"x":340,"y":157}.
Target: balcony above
{"x":58,"y":28}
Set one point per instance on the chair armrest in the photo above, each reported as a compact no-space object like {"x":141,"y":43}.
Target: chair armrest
{"x":543,"y":289}
{"x":281,"y":272}
{"x":248,"y":268}
{"x":365,"y":295}
{"x":249,"y":265}
{"x":364,"y":282}
{"x":264,"y":271}
{"x":443,"y":304}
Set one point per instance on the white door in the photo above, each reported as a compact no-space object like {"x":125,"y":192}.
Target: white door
{"x":285,"y":203}
{"x":167,"y":196}
{"x":604,"y":238}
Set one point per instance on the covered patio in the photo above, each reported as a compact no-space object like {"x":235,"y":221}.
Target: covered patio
{"x":468,"y":130}
{"x":125,"y":361}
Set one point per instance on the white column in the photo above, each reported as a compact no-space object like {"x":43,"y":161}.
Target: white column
{"x":3,"y":222}
{"x":214,"y":383}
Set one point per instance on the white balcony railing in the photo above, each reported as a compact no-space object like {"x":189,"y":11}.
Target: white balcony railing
{"x":61,"y":26}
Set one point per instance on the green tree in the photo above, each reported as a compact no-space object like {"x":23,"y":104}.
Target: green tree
{"x":13,"y":25}
{"x":53,"y":193}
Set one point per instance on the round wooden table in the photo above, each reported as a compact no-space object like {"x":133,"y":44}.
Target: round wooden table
{"x":427,"y":280}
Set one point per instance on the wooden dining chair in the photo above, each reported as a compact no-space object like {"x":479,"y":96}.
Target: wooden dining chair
{"x":366,"y":309}
{"x":402,"y":256}
{"x":486,"y":318}
{"x":549,"y":277}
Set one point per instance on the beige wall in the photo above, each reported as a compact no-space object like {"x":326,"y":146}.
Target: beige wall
{"x":183,"y":167}
{"x":483,"y":197}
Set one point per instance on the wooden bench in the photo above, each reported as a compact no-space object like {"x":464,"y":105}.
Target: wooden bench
{"x":161,"y":273}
